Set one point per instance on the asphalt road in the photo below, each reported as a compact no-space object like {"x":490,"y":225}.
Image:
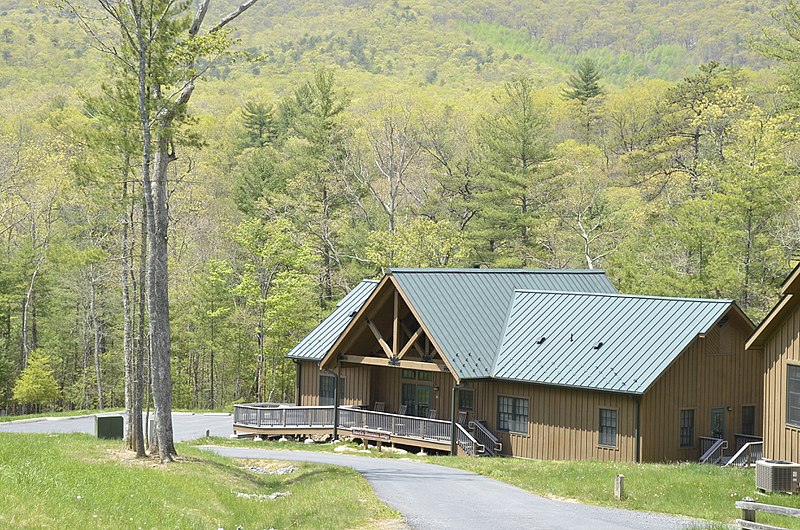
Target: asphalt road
{"x":437,"y":497}
{"x":185,"y":425}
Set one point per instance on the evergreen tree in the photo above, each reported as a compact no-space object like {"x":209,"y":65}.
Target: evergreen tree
{"x":584,"y":84}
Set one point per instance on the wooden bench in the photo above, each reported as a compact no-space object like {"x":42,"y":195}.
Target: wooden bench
{"x":749,"y":508}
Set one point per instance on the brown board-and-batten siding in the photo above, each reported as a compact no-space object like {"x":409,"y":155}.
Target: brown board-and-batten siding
{"x":357,"y":383}
{"x":563,"y":423}
{"x":781,"y":440}
{"x":714,"y":371}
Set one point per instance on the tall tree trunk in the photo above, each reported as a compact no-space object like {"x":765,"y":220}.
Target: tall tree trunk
{"x":142,"y":375}
{"x":97,"y":333}
{"x":160,"y":345}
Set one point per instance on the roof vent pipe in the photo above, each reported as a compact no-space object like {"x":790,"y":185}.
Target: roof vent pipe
{"x":598,"y":345}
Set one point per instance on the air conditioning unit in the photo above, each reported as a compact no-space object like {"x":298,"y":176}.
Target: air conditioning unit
{"x":777,"y":475}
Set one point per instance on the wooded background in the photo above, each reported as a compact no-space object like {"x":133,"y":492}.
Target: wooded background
{"x":654,"y":139}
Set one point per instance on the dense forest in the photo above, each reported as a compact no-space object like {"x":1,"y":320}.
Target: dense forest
{"x":328,"y":141}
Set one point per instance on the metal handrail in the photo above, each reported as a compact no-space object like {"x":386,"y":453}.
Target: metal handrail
{"x":747,"y":455}
{"x":467,"y":442}
{"x":714,"y":451}
{"x":486,"y":437}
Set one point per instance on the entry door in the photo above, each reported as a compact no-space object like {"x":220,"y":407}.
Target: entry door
{"x":417,"y":398}
{"x":718,"y":423}
{"x":424,"y":398}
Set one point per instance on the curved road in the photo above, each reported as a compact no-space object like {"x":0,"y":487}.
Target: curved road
{"x":185,"y":425}
{"x":436,"y":497}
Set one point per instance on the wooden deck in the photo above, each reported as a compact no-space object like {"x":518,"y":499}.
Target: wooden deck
{"x":268,"y":419}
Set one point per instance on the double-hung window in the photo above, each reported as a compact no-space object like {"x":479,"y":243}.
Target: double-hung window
{"x":512,"y":414}
{"x":687,"y":428}
{"x":608,"y":427}
{"x":793,"y":395}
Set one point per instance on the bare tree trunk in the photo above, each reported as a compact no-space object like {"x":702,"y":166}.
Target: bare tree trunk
{"x":97,"y":333}
{"x":138,"y":395}
{"x":160,"y":345}
{"x":134,"y":435}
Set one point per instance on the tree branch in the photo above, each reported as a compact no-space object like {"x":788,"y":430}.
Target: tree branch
{"x":232,"y":16}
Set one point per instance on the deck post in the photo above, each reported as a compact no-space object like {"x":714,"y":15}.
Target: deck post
{"x":748,"y":515}
{"x":453,"y":450}
{"x":336,"y":405}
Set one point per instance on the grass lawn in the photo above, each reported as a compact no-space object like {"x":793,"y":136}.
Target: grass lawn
{"x":699,"y":491}
{"x":77,"y":481}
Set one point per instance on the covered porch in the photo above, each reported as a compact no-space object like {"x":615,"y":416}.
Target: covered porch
{"x":443,"y":435}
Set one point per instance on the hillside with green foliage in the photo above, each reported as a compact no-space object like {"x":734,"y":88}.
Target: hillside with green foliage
{"x":654,"y":139}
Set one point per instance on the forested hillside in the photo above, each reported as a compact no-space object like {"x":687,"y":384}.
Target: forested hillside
{"x":654,"y":139}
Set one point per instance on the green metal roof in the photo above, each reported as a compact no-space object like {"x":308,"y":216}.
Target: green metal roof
{"x":611,"y":342}
{"x":317,"y":343}
{"x":465,"y":310}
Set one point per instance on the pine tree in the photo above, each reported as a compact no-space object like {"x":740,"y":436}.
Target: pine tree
{"x":584,"y":84}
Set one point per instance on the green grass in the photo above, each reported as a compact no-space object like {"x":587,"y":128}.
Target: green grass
{"x":692,"y":490}
{"x":76,"y":481}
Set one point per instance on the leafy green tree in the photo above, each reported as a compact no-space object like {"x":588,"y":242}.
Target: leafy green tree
{"x":275,"y":285}
{"x":36,"y":384}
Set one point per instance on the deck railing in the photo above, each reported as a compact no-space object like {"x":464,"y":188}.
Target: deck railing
{"x":354,"y":418}
{"x":486,"y":438}
{"x":742,"y":439}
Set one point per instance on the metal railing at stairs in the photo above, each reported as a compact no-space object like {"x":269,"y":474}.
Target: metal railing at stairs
{"x":747,"y":455}
{"x":486,"y":438}
{"x":713,"y":449}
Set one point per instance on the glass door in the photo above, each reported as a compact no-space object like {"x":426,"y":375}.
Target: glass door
{"x":417,"y":398}
{"x":718,"y":423}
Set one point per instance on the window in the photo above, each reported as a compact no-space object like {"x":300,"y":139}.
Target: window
{"x":687,"y":428}
{"x":466,"y":399}
{"x":608,"y":427}
{"x":419,"y":375}
{"x":793,"y":395}
{"x":512,"y":414}
{"x":405,"y":373}
{"x":327,"y":387}
{"x":749,"y":419}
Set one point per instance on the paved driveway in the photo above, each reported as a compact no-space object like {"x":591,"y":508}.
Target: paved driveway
{"x":185,"y":425}
{"x":437,"y":497}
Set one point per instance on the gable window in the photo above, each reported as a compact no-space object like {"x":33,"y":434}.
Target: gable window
{"x":466,"y":399}
{"x":749,"y":419}
{"x":793,"y":395}
{"x":512,"y":414}
{"x":608,"y":427}
{"x":687,"y":428}
{"x":327,"y":389}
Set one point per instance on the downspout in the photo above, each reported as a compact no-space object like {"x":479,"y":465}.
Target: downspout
{"x":637,"y":429}
{"x":297,"y":384}
{"x":453,"y":450}
{"x":336,"y":397}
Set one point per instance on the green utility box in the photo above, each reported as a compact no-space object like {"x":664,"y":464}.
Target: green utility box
{"x":111,"y":427}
